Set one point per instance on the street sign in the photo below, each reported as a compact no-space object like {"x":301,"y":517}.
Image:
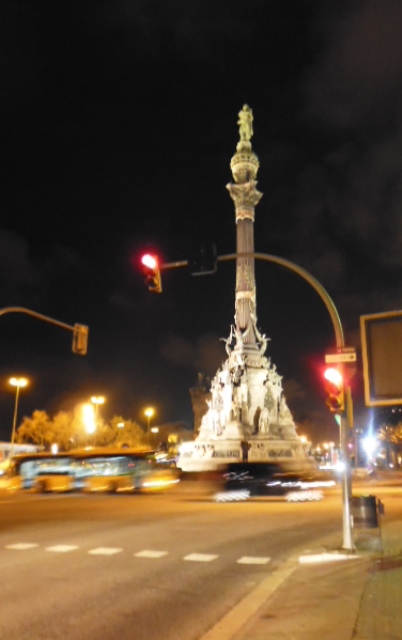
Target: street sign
{"x":381,"y":335}
{"x":343,"y":354}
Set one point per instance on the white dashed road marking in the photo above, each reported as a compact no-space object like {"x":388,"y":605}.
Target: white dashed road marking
{"x":200,"y":557}
{"x":145,"y":553}
{"x":104,"y":551}
{"x":62,"y":548}
{"x":148,"y":553}
{"x":253,"y":560}
{"x":21,"y":546}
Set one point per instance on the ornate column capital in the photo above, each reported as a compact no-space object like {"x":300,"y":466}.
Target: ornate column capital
{"x":245,"y":197}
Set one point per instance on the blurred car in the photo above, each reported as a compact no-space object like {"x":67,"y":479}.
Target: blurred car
{"x":241,"y":481}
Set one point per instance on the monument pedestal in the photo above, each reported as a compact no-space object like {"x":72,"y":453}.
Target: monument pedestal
{"x":214,"y":454}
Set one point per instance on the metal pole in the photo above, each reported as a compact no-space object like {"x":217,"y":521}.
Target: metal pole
{"x":348,"y":542}
{"x":17,"y":392}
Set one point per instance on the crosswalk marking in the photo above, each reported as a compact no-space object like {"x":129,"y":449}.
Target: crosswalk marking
{"x":21,"y":546}
{"x":253,"y":560}
{"x":200,"y":557}
{"x":149,"y":553}
{"x":62,"y":548}
{"x":144,"y":553}
{"x":104,"y":551}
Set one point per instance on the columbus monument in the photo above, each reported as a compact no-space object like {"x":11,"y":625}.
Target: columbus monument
{"x":246,"y":416}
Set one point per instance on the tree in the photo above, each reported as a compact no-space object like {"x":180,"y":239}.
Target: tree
{"x":121,"y":432}
{"x":391,"y":436}
{"x":35,"y":430}
{"x":67,"y":430}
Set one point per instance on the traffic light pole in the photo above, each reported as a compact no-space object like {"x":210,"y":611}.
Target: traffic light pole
{"x":79,"y":331}
{"x":348,"y":543}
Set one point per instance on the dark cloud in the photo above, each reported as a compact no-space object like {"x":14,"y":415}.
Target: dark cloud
{"x":16,"y":267}
{"x":192,"y":28}
{"x":357,"y":78}
{"x":25,"y":276}
{"x":346,"y":183}
{"x":205,"y":355}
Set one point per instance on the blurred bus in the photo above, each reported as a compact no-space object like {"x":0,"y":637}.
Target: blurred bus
{"x":91,"y":470}
{"x":125,"y":471}
{"x":44,"y":471}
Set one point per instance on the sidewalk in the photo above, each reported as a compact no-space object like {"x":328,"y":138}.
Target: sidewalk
{"x":328,"y":594}
{"x":358,"y":596}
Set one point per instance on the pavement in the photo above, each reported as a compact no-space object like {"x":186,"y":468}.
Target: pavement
{"x":327,"y":593}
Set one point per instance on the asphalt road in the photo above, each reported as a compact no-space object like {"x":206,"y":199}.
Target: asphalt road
{"x":101,"y":567}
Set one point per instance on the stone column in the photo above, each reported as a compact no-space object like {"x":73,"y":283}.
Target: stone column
{"x":244,"y":166}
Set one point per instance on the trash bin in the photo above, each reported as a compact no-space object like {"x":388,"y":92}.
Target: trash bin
{"x":364,"y":512}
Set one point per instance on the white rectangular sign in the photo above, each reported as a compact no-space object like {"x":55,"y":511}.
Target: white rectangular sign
{"x":332,"y":358}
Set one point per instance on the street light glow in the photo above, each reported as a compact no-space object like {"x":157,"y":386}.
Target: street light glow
{"x":88,"y":417}
{"x":370,"y":444}
{"x":18,"y":382}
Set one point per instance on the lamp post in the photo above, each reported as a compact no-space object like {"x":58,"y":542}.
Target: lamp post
{"x":18,"y":383}
{"x":149,"y":412}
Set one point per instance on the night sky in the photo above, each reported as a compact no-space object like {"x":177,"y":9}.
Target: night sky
{"x":118,"y":123}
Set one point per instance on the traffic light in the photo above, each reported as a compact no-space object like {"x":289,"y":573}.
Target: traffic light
{"x":334,"y":386}
{"x":80,"y":339}
{"x":203,"y":261}
{"x":151,"y":271}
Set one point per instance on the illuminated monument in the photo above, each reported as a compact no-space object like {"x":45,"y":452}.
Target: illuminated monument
{"x":247,"y":417}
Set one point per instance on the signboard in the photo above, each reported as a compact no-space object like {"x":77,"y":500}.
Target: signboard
{"x":343,"y":354}
{"x":381,"y":335}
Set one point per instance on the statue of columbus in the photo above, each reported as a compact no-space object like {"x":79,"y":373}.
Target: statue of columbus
{"x":245,"y":123}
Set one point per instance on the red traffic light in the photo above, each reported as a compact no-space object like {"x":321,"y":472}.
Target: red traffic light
{"x":149,"y":261}
{"x":334,"y":375}
{"x":152,"y":273}
{"x":334,"y":386}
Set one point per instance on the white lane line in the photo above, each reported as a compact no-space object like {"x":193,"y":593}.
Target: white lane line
{"x":253,"y":560}
{"x":62,"y":548}
{"x":149,"y":553}
{"x":21,"y":546}
{"x":104,"y":551}
{"x":200,"y":557}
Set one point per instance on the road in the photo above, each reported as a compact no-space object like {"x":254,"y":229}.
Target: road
{"x":146,"y":567}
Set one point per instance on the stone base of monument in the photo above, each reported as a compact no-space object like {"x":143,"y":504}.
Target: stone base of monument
{"x":210,"y":455}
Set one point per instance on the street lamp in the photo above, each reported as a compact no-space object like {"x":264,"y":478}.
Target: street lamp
{"x":149,"y":412}
{"x":18,"y":383}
